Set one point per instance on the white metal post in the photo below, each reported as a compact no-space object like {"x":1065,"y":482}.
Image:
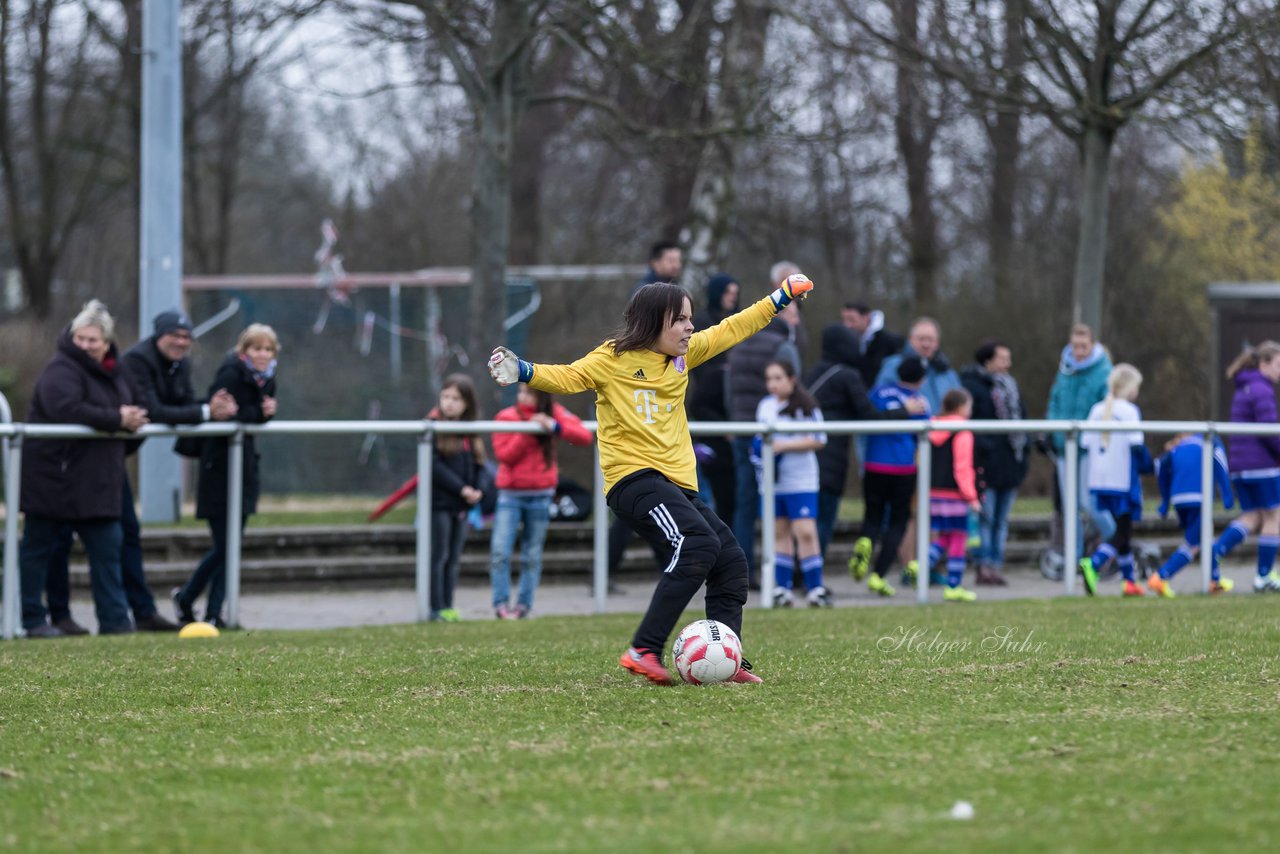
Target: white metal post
{"x":1070,"y":511}
{"x":422,"y":552}
{"x":599,"y":538}
{"x":924,"y":477}
{"x":393,"y":294}
{"x":768,"y":542}
{"x":12,"y":491}
{"x":1206,"y":511}
{"x":235,"y":512}
{"x":160,"y":225}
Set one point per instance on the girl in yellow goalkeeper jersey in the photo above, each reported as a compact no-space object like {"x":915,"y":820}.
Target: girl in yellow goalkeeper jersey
{"x":640,"y":377}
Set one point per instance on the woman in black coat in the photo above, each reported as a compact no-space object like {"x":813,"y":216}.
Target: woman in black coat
{"x":77,"y":484}
{"x":248,"y":375}
{"x":1000,"y":458}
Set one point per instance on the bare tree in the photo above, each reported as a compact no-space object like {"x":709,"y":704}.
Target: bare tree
{"x":59,"y":108}
{"x":1091,"y":66}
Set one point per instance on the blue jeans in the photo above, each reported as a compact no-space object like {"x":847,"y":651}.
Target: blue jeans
{"x":532,"y":512}
{"x":211,"y":571}
{"x":746,"y":508}
{"x":993,"y":523}
{"x":828,"y":510}
{"x":44,"y":538}
{"x":58,"y":582}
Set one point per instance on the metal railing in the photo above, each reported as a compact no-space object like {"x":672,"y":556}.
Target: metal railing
{"x":13,"y":435}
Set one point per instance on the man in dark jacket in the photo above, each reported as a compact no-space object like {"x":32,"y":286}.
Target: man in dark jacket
{"x":837,"y":386}
{"x":707,"y":401}
{"x":999,"y":458}
{"x":875,"y":343}
{"x":745,"y":388}
{"x":160,"y":371}
{"x":77,"y":484}
{"x":666,"y":261}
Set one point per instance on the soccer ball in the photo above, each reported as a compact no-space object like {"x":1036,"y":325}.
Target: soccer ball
{"x":707,"y":651}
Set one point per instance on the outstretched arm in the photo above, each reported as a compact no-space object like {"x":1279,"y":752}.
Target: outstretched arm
{"x":507,"y":368}
{"x":709,"y":343}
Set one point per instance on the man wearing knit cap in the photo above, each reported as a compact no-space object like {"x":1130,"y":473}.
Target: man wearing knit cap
{"x":159,"y":368}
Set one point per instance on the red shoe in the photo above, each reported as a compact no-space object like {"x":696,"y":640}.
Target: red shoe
{"x":646,"y":663}
{"x":1131,"y":589}
{"x":744,"y":676}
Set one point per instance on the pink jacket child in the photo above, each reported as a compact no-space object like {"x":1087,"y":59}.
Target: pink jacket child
{"x":953,"y":492}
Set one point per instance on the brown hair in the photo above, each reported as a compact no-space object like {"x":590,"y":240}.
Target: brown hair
{"x":801,"y":401}
{"x":1083,"y":329}
{"x":954,"y":400}
{"x":647,"y":314}
{"x":1251,"y":357}
{"x":451,"y":443}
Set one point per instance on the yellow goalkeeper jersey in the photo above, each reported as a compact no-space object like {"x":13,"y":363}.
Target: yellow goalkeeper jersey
{"x":640,"y":416}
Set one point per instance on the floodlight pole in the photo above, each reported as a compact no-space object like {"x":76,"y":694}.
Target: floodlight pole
{"x":160,"y":229}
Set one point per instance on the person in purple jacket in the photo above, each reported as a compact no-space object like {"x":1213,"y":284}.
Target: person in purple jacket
{"x":1254,"y":461}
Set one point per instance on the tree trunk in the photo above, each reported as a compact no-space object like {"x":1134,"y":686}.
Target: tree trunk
{"x":712,"y":203}
{"x":1091,"y":247}
{"x":915,"y":130}
{"x":1006,"y":146}
{"x":491,"y":227}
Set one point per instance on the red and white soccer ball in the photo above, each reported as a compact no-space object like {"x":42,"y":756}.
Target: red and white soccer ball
{"x":707,"y":651}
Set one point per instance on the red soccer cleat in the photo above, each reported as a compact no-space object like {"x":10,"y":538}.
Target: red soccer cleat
{"x":744,"y":676}
{"x":1131,"y":589}
{"x":646,"y":663}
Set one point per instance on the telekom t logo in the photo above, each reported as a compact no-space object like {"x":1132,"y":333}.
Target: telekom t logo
{"x":647,"y":402}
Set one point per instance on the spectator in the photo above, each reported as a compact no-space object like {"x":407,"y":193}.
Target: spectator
{"x":249,"y":375}
{"x":1081,"y":382}
{"x":707,"y":402}
{"x":875,"y":343}
{"x":666,"y":261}
{"x":953,"y":492}
{"x":889,"y":481}
{"x":797,"y":338}
{"x":1001,"y":458}
{"x":527,"y":476}
{"x":160,"y":373}
{"x":924,"y":342}
{"x":77,"y":484}
{"x":744,"y":388}
{"x":796,"y":485}
{"x":836,"y":385}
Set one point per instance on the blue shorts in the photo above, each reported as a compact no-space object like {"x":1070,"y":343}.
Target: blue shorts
{"x":1117,"y":505}
{"x":1189,"y":520}
{"x":1256,"y":493}
{"x":795,"y":505}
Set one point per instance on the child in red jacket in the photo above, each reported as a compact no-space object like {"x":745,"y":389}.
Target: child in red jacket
{"x":953,"y":493}
{"x":527,"y":477}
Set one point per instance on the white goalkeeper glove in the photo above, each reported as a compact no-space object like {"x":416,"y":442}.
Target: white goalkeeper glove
{"x":507,"y":368}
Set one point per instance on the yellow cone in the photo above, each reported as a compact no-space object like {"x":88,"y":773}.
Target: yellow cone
{"x":198,"y":630}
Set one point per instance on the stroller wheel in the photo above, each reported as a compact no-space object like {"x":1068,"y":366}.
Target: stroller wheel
{"x":1052,"y":564}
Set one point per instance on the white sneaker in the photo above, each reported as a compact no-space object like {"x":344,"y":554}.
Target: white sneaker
{"x":1269,"y":583}
{"x":782,"y":598}
{"x":818,"y":597}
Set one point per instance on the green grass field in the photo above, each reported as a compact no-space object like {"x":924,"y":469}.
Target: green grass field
{"x":1084,"y":725}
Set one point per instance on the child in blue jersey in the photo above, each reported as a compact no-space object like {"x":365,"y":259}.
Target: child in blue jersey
{"x":1179,"y":476}
{"x":889,"y":479}
{"x":796,"y":484}
{"x":1116,"y":462}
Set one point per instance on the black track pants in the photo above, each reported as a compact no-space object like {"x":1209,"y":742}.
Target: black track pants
{"x":693,"y":547}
